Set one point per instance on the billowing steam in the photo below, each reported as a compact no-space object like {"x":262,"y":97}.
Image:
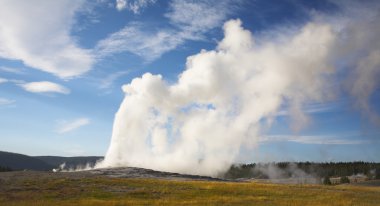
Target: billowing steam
{"x":199,"y":124}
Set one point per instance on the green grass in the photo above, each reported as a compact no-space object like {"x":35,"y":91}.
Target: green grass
{"x":117,"y":191}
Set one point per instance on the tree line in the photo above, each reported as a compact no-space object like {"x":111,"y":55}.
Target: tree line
{"x":326,"y":169}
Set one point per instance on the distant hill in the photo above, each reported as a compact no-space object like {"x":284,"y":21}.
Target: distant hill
{"x":70,"y":162}
{"x":16,"y":161}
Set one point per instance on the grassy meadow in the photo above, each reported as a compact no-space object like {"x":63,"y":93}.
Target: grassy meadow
{"x":123,"y":191}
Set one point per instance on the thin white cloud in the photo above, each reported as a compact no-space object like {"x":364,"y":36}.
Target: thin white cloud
{"x":312,"y":108}
{"x":17,"y":81}
{"x":190,"y":20}
{"x":133,"y":5}
{"x":199,"y":16}
{"x":2,"y":80}
{"x":4,"y":101}
{"x":68,"y":126}
{"x":110,"y":79}
{"x":38,"y":34}
{"x":13,"y":70}
{"x":134,"y":39}
{"x":314,"y":139}
{"x":44,"y":87}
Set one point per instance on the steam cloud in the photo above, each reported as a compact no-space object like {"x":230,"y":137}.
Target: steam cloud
{"x":199,"y":124}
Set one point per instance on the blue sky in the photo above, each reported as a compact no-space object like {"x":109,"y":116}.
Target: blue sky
{"x":63,"y":63}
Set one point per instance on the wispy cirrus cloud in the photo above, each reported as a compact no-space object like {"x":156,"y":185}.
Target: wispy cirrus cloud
{"x":68,"y":126}
{"x":5,"y":101}
{"x":13,"y":70}
{"x":3,"y":80}
{"x":200,"y":16}
{"x":111,"y":78}
{"x":133,"y":38}
{"x":313,"y":108}
{"x":190,"y":20}
{"x":44,"y":87}
{"x":133,"y":5}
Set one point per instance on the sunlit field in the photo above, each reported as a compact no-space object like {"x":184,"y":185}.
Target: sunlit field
{"x":124,"y":191}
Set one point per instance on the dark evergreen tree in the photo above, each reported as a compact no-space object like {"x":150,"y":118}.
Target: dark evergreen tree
{"x":332,"y":169}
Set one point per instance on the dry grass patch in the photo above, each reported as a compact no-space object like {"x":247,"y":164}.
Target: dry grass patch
{"x":118,"y":191}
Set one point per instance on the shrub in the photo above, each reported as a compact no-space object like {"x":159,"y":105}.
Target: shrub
{"x":344,"y":179}
{"x":326,"y":180}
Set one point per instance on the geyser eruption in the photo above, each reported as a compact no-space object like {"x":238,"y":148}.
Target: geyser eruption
{"x":199,"y":124}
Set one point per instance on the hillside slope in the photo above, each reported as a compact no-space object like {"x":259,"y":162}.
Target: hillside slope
{"x":70,"y":162}
{"x":23,"y":162}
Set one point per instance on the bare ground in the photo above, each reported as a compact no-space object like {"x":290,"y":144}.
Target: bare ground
{"x":121,"y":172}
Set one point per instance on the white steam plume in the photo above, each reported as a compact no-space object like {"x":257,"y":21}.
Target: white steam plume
{"x":199,"y":124}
